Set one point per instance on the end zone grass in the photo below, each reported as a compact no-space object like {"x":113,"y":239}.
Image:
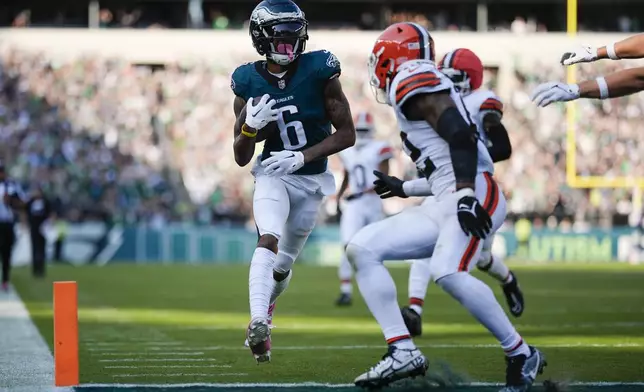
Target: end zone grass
{"x":167,"y":324}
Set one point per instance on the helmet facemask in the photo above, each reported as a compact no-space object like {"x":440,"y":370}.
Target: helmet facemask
{"x":280,"y":36}
{"x":380,"y":74}
{"x":460,"y":79}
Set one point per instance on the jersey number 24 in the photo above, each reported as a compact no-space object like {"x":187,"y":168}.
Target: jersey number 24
{"x":292,"y":132}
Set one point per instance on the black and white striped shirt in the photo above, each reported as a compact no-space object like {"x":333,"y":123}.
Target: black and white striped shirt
{"x":11,"y":189}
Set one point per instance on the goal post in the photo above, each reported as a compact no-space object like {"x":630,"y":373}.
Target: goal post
{"x":573,"y":179}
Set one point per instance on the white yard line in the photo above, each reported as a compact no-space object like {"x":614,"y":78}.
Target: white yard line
{"x":152,"y":350}
{"x":125,"y":342}
{"x":377,"y":347}
{"x":138,"y":354}
{"x":158,"y":360}
{"x":167,"y":366}
{"x":178,"y":375}
{"x":360,"y":326}
{"x":25,"y":359}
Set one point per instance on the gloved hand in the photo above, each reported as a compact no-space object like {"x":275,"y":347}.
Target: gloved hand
{"x":388,"y":186}
{"x":581,"y":54}
{"x":283,"y":162}
{"x":472,"y":216}
{"x":550,"y":92}
{"x":260,"y":114}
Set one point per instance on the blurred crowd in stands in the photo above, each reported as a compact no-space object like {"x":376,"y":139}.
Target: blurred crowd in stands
{"x":518,"y":17}
{"x":154,"y":144}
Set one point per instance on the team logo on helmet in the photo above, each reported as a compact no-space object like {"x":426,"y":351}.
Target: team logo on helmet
{"x":278,"y":29}
{"x":332,"y":61}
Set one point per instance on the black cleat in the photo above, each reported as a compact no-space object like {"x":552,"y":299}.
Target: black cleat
{"x":514,"y":296}
{"x":344,"y":300}
{"x":521,"y":371}
{"x":413,"y":321}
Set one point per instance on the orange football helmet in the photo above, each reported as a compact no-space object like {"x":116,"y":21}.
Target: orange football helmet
{"x":464,"y":68}
{"x":364,"y":125}
{"x":399,"y":43}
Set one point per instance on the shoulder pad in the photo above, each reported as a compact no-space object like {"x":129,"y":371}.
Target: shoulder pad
{"x":415,"y":77}
{"x":239,"y":80}
{"x":325,"y":64}
{"x":385,"y":151}
{"x":491,"y":102}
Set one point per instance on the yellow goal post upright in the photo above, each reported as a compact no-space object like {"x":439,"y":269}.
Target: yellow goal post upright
{"x":572,"y":178}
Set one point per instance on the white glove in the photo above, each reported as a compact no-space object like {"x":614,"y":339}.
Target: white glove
{"x":283,"y":162}
{"x":547,"y":93}
{"x":582,"y":54}
{"x":260,"y":114}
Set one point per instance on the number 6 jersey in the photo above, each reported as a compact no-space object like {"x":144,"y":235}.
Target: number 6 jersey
{"x":429,"y":151}
{"x":299,"y":93}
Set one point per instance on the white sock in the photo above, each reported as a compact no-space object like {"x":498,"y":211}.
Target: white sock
{"x":405,"y":344}
{"x":419,"y":276}
{"x":260,"y":282}
{"x":497,"y":269}
{"x":345,"y":272}
{"x":416,"y":308}
{"x":479,"y":300}
{"x":379,"y":292}
{"x":280,"y":287}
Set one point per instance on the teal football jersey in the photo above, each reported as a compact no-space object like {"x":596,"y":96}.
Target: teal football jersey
{"x":302,"y":121}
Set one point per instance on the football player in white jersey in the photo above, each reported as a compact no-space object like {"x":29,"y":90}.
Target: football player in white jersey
{"x":362,"y":205}
{"x":467,"y":206}
{"x":465,"y":70}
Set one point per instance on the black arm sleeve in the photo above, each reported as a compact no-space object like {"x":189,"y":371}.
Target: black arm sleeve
{"x":462,"y":141}
{"x":501,"y":148}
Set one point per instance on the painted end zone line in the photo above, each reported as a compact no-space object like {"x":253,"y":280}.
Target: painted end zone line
{"x":322,"y":385}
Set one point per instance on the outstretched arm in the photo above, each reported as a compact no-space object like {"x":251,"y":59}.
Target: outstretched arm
{"x":629,"y":48}
{"x":617,"y":84}
{"x":338,"y":110}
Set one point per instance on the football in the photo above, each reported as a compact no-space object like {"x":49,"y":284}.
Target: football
{"x":267,"y":131}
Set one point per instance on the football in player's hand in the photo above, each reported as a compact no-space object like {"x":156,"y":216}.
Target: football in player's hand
{"x":267,"y":131}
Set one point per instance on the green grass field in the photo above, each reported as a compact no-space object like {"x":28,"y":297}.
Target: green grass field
{"x":166,"y":324}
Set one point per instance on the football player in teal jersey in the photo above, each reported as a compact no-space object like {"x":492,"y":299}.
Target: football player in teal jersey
{"x":291,"y":100}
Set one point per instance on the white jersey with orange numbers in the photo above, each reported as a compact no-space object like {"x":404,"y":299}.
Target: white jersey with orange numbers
{"x":361,"y":160}
{"x":429,"y":151}
{"x":480,"y":103}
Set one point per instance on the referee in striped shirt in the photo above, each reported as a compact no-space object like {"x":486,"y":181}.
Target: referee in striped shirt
{"x":11,"y":198}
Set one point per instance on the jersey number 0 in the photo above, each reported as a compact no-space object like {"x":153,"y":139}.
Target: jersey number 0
{"x":292,"y":132}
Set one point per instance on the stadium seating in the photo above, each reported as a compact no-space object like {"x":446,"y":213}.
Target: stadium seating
{"x":119,"y":136}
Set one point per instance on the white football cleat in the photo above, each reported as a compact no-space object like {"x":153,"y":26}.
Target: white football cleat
{"x":397,"y":364}
{"x":258,"y":336}
{"x":271,"y":309}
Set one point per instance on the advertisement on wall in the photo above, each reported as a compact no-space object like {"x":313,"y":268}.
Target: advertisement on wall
{"x":97,"y":243}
